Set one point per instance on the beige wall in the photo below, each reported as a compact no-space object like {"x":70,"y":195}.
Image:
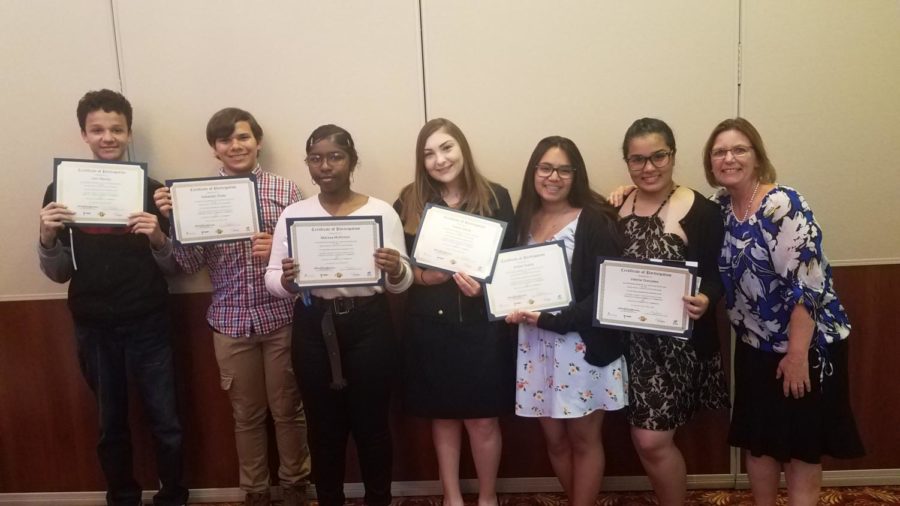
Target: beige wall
{"x":821,"y":80}
{"x":818,"y":79}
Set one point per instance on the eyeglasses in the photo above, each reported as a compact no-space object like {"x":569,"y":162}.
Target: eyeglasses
{"x":737,"y":152}
{"x":547,"y":170}
{"x":333,"y":158}
{"x":636,"y":163}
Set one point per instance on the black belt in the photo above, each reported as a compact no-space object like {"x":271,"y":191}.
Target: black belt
{"x":338,"y":306}
{"x":343,"y":305}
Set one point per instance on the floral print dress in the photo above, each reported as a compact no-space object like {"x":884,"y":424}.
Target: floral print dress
{"x":552,"y":378}
{"x":669,"y":381}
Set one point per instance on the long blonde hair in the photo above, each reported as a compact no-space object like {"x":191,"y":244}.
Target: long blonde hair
{"x":477,"y":196}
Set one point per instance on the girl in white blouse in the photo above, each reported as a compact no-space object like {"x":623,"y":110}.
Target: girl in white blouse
{"x":344,"y":352}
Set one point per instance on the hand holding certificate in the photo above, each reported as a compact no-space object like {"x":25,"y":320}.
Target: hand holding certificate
{"x":100,"y":193}
{"x":644,"y":296}
{"x":454,"y":241}
{"x":218,"y":209}
{"x":335,"y":251}
{"x":530,"y":278}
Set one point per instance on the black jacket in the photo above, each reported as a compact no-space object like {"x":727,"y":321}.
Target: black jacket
{"x":445,"y":301}
{"x":117,"y":277}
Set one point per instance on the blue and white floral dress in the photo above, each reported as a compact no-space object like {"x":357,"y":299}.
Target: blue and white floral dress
{"x":552,"y":378}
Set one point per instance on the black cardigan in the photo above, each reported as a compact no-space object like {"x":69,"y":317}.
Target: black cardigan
{"x":597,"y":234}
{"x":705,"y":234}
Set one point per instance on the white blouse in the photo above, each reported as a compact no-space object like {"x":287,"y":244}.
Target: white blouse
{"x":392,"y":231}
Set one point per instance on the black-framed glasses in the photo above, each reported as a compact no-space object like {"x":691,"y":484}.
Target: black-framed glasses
{"x":333,"y":158}
{"x":563,"y":171}
{"x":636,"y":163}
{"x":736,"y":151}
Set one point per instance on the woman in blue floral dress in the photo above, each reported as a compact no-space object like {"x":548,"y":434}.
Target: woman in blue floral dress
{"x":791,"y":402}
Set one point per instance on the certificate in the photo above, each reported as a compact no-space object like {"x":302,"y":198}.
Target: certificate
{"x":530,"y":278}
{"x":454,"y":241}
{"x":214,"y":209}
{"x":644,"y":296}
{"x":99,"y":192}
{"x":335,"y":251}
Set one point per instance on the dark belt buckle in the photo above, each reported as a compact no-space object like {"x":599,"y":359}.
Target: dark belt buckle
{"x":343,"y":305}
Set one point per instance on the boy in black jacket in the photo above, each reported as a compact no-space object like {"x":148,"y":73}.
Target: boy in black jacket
{"x":118,"y":300}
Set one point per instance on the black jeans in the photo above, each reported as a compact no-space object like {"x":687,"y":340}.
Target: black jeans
{"x":108,"y":354}
{"x":369,"y":358}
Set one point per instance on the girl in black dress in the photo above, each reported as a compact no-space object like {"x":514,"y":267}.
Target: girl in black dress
{"x":671,"y":379}
{"x":459,"y":366}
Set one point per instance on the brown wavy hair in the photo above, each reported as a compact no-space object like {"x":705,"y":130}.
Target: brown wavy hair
{"x":478,"y":196}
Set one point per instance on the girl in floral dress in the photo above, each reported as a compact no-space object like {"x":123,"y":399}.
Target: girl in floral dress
{"x":568,"y":372}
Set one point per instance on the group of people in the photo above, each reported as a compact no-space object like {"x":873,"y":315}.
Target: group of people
{"x":328,"y":356}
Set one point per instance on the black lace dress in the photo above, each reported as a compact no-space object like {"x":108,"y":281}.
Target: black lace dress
{"x":669,"y":382}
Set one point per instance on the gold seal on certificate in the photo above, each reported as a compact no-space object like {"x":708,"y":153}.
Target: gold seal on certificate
{"x":100,"y":193}
{"x":214,"y":209}
{"x":530,"y":278}
{"x":644,"y":296}
{"x":335,"y":251}
{"x":455,"y":241}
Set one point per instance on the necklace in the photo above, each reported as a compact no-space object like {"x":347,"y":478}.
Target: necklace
{"x":749,"y":204}
{"x":664,"y":202}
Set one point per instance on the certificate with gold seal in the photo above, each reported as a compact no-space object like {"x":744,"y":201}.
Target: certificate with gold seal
{"x":335,"y":251}
{"x":99,"y":192}
{"x":456,"y":241}
{"x":529,"y":278}
{"x":214,"y":209}
{"x":645,"y":296}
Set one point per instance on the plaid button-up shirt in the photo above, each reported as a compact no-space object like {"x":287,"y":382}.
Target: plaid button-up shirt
{"x":241,"y":306}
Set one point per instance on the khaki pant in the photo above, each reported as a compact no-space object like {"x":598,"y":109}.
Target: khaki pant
{"x":256,"y":372}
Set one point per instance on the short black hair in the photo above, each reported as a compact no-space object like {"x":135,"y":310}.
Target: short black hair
{"x":108,"y":101}
{"x":337,"y":135}
{"x":648,"y":126}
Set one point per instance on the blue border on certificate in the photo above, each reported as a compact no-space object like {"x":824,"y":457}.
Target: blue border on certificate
{"x":691,"y":267}
{"x":374,"y":218}
{"x":259,"y":218}
{"x":56,"y":162}
{"x":486,"y":279}
{"x":492,"y":317}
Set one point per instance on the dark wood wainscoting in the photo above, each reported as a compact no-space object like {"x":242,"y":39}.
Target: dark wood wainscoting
{"x":48,"y":424}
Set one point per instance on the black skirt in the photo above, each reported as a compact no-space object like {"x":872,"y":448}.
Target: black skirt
{"x":458,"y":370}
{"x":766,"y":423}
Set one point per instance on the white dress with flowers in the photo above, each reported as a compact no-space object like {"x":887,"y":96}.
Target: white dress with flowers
{"x":552,"y":378}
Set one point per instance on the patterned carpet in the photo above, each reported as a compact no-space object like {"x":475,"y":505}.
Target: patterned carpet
{"x":857,"y":496}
